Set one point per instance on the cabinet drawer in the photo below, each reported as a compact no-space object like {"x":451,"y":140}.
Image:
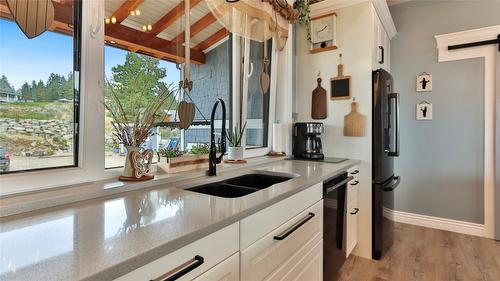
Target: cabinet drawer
{"x":305,"y":265}
{"x":225,"y":241}
{"x":268,"y":254}
{"x":261,"y":223}
{"x":352,"y":213}
{"x":228,"y":270}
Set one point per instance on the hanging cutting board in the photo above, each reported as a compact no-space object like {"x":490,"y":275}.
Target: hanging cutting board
{"x":340,"y":85}
{"x":354,"y":123}
{"x":33,"y":17}
{"x":318,"y":105}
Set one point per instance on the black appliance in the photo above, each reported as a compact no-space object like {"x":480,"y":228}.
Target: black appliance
{"x":385,"y":142}
{"x":334,"y":217}
{"x":306,"y":141}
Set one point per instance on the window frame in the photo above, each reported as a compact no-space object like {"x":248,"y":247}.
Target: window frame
{"x":240,"y":104}
{"x":77,"y":50}
{"x":91,"y":162}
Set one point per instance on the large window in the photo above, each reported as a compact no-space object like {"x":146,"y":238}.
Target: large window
{"x":137,"y":77}
{"x":39,"y":92}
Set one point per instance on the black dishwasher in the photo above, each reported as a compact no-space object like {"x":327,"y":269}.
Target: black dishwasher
{"x":334,"y":201}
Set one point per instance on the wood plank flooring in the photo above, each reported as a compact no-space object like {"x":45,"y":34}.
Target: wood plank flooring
{"x":426,"y":254}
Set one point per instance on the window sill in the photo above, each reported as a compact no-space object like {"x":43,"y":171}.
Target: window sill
{"x":22,"y":202}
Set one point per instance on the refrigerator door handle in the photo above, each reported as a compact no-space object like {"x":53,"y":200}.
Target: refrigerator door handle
{"x":392,"y":185}
{"x":395,"y":96}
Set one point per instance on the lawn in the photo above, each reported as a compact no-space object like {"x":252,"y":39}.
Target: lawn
{"x":37,"y":110}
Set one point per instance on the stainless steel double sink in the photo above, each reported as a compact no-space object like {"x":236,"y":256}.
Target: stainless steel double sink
{"x":241,"y":185}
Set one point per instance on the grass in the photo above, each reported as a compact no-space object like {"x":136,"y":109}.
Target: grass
{"x":36,"y":111}
{"x":25,"y":115}
{"x":31,"y":104}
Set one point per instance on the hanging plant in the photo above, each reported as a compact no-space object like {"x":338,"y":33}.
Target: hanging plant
{"x":302,"y":7}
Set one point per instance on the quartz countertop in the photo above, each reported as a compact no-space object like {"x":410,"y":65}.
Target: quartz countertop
{"x":106,"y":237}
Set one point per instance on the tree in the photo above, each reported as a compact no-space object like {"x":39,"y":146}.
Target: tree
{"x":26,"y":92}
{"x":137,"y":82}
{"x":69,"y":88}
{"x":5,"y":86}
{"x":55,"y":87}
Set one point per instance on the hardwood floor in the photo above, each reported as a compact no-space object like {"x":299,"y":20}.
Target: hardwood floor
{"x":426,"y":254}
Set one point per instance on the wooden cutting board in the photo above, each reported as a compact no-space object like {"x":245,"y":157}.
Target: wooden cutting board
{"x":318,"y":105}
{"x":354,"y":123}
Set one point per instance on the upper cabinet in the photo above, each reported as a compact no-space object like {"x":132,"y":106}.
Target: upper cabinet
{"x":381,"y":57}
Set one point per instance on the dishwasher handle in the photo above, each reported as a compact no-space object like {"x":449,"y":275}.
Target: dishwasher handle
{"x":329,"y":189}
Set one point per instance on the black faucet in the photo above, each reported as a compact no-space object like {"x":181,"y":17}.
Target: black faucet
{"x":213,"y":159}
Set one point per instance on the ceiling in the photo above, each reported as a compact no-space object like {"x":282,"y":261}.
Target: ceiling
{"x":157,"y":29}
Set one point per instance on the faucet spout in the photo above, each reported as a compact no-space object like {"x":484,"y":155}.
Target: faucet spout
{"x":213,"y":158}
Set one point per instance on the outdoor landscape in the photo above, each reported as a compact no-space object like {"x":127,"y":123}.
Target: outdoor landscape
{"x":37,"y":131}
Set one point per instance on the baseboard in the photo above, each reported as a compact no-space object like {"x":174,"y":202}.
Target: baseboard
{"x":436,"y":223}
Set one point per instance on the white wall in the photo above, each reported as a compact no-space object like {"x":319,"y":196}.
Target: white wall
{"x":355,"y":37}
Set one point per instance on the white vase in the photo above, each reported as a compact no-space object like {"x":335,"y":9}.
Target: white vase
{"x":127,"y":170}
{"x":235,"y":153}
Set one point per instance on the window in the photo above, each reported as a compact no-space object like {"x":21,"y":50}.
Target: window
{"x":257,"y":116}
{"x":39,"y":93}
{"x":211,"y":81}
{"x":125,"y":70}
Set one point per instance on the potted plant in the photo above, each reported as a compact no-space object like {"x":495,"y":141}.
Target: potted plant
{"x":173,"y":160}
{"x":235,"y":150}
{"x":132,"y":126}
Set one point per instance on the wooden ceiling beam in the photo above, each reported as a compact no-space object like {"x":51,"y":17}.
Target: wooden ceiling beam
{"x":149,"y":43}
{"x":196,"y":27}
{"x":214,"y":38}
{"x":124,"y":11}
{"x":172,"y":16}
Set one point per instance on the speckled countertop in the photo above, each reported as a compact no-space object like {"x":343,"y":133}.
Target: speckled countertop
{"x":104,"y":238}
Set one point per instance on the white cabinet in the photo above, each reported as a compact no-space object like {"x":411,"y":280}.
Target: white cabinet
{"x":194,"y":258}
{"x":228,"y":270}
{"x":283,"y":247}
{"x":352,"y":211}
{"x":381,"y":48}
{"x":281,"y":242}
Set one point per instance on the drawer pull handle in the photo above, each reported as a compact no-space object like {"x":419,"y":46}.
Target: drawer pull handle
{"x":294,"y":227}
{"x":356,"y":210}
{"x":354,"y":183}
{"x":354,"y":172}
{"x":181,"y":270}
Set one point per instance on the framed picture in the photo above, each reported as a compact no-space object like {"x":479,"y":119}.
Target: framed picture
{"x":424,"y":82}
{"x":424,"y":111}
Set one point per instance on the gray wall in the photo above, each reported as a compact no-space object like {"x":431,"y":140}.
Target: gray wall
{"x":441,"y":162}
{"x":211,"y":80}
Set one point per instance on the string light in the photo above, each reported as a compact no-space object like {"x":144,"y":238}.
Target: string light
{"x":135,"y":13}
{"x":107,"y":20}
{"x":113,"y":20}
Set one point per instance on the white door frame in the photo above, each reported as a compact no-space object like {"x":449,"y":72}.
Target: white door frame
{"x":488,"y":52}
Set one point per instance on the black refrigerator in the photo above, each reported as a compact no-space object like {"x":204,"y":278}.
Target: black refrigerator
{"x":385,"y":146}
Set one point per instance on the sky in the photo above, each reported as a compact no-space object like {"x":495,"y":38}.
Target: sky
{"x":24,"y":60}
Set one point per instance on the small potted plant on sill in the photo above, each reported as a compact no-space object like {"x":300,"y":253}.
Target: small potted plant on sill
{"x":235,"y":150}
{"x":173,"y":160}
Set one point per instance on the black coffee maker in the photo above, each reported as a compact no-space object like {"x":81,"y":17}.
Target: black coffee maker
{"x":306,"y":140}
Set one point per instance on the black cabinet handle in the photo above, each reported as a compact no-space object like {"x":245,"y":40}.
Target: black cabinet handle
{"x":294,"y":227}
{"x":356,"y":210}
{"x":354,"y":172}
{"x":354,"y":183}
{"x":381,"y":60}
{"x":181,"y":270}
